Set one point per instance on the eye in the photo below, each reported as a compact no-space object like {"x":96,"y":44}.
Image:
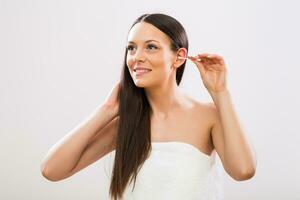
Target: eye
{"x":151,"y":45}
{"x":129,"y":47}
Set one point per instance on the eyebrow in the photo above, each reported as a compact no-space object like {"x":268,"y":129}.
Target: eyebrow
{"x":145,"y":41}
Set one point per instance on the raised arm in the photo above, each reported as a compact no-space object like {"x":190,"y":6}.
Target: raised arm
{"x":84,"y":144}
{"x":231,"y":143}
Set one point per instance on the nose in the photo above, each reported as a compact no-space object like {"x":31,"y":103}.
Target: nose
{"x":139,"y":55}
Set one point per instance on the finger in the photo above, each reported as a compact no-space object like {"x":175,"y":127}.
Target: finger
{"x":213,"y":61}
{"x":201,"y":69}
{"x":216,"y":58}
{"x":203,"y":54}
{"x":194,"y":58}
{"x":199,"y":65}
{"x":205,"y":63}
{"x":205,"y":60}
{"x":216,"y":67}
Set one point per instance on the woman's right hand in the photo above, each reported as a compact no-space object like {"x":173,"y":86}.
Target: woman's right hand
{"x":111,"y":102}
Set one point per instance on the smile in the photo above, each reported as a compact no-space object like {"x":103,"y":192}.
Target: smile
{"x":140,"y":72}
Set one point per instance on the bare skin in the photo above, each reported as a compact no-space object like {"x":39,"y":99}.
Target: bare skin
{"x":176,"y":117}
{"x":191,"y":123}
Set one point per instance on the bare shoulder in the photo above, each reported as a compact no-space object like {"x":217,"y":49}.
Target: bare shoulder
{"x":204,"y":113}
{"x":207,"y":109}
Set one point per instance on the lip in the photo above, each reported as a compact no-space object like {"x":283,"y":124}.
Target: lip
{"x":137,"y":68}
{"x":139,"y":73}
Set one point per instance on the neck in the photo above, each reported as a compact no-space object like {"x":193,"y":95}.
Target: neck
{"x":164,"y":99}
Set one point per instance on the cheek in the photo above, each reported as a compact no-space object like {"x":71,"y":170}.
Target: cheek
{"x":161,"y":65}
{"x":158,"y":61}
{"x":129,"y":62}
{"x":161,"y":71}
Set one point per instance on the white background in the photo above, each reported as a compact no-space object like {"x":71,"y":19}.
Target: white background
{"x":59,"y":59}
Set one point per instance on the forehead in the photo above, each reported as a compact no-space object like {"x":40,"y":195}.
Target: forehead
{"x":142,"y":32}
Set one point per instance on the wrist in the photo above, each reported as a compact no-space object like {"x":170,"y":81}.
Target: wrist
{"x":112,"y":111}
{"x":219,"y":93}
{"x":218,"y":96}
{"x":104,"y":110}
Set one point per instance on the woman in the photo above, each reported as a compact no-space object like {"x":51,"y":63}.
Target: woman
{"x":163,"y":139}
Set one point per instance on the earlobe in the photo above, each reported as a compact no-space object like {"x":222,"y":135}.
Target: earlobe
{"x":178,"y":63}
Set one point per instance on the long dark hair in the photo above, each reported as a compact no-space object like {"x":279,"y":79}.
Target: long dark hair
{"x":133,"y":142}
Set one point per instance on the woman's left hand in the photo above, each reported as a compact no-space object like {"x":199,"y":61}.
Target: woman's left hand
{"x":212,"y":70}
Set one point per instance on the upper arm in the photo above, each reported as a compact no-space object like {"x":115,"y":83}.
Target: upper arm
{"x":102,"y":144}
{"x":217,"y":134}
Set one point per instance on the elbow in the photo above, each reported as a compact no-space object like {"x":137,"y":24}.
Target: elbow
{"x":245,"y":174}
{"x":46,"y":174}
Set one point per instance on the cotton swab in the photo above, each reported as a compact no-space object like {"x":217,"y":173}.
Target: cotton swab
{"x":198,"y":59}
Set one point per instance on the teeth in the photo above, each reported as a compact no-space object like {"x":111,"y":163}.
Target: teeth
{"x":142,"y":70}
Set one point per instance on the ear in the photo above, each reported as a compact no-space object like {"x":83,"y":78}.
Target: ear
{"x":182,"y":52}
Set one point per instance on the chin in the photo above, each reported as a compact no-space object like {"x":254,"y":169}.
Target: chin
{"x":141,"y":84}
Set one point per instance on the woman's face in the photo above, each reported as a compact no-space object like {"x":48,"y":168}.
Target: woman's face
{"x":148,"y":47}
